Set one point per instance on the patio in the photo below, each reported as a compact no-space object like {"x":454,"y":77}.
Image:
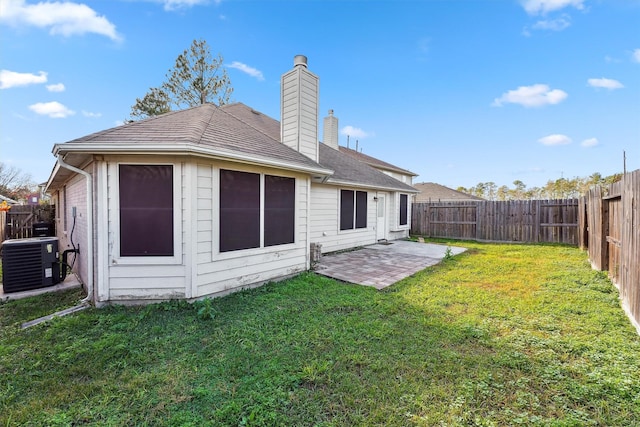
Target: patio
{"x":383,"y":264}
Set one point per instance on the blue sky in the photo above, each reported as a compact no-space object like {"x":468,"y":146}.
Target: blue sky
{"x":457,"y":91}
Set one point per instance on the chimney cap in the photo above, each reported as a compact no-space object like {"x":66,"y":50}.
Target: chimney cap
{"x":300,"y":60}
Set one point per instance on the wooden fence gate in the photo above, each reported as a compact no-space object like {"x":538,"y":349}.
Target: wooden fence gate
{"x":19,"y":220}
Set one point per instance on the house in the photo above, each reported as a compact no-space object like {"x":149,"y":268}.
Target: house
{"x":432,"y":192}
{"x":8,"y":201}
{"x":208,"y":200}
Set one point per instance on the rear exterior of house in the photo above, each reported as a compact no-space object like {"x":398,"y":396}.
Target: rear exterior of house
{"x":205,"y":201}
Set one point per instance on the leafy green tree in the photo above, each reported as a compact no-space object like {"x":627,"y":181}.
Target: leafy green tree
{"x":197,"y":78}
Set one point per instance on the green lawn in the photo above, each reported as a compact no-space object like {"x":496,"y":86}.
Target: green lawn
{"x":501,"y":335}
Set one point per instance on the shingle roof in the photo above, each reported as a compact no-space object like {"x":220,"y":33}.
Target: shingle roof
{"x":349,"y":170}
{"x":432,"y":192}
{"x":238,"y":129}
{"x":376,"y":163}
{"x":233,"y":129}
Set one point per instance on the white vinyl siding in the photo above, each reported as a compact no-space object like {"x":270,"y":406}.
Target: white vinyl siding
{"x":221,"y":272}
{"x":144,"y":278}
{"x":325,"y":220}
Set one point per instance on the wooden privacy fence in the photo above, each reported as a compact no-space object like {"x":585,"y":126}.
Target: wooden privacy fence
{"x":610,"y":224}
{"x":18,"y":221}
{"x":527,"y":221}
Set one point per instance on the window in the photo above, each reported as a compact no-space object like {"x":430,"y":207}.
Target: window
{"x":353,"y":209}
{"x":241,"y":210}
{"x":279,"y":210}
{"x":146,"y":210}
{"x":404,"y":207}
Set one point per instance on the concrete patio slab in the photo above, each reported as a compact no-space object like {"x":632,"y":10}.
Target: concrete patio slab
{"x":384,"y":264}
{"x":70,"y":282}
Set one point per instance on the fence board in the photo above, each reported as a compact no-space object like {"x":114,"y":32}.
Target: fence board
{"x":499,"y":221}
{"x":612,"y":222}
{"x":20,"y":219}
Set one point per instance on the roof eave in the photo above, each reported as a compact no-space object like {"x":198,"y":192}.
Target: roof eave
{"x":184,"y":148}
{"x":397,"y":170}
{"x":369,"y":186}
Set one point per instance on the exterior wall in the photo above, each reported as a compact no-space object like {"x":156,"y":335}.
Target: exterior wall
{"x":140,"y":278}
{"x":397,"y":231}
{"x":198,"y":269}
{"x":220,"y":272}
{"x":73,"y":231}
{"x":325,"y":224}
{"x":407,"y":179}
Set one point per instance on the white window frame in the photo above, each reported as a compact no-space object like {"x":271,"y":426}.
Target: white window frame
{"x":114,"y":170}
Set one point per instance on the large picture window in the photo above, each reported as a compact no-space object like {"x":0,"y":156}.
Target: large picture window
{"x":241,"y":210}
{"x":353,"y":209}
{"x":404,"y":209}
{"x":146,"y":210}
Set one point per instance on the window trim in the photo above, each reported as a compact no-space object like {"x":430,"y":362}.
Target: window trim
{"x":354,"y":220}
{"x":406,"y":210}
{"x":115,"y":257}
{"x":396,"y":219}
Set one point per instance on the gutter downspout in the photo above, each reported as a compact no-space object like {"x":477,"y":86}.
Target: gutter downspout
{"x":89,"y":178}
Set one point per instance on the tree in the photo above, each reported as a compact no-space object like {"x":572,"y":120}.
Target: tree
{"x":154,"y":103}
{"x":197,"y":78}
{"x":14,"y":183}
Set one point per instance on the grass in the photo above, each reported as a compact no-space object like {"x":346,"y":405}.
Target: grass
{"x":500,"y":335}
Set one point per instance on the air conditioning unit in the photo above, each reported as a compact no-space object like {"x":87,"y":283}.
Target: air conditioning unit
{"x":30,"y":263}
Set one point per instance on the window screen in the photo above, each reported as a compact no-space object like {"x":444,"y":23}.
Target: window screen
{"x":353,"y":209}
{"x":146,"y":210}
{"x":403,"y":209}
{"x":239,"y":210}
{"x":346,"y":209}
{"x":361,"y":209}
{"x":279,"y":210}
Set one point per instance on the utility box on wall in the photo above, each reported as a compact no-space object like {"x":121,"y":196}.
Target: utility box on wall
{"x":30,"y":263}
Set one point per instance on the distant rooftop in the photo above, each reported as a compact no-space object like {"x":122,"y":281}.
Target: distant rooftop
{"x":432,"y":192}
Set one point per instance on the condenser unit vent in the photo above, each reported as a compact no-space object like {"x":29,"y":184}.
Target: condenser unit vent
{"x":30,"y":264}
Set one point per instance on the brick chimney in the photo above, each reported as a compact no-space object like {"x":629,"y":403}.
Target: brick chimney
{"x":299,"y":109}
{"x":330,"y":131}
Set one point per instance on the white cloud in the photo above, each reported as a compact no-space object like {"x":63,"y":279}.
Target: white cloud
{"x":90,"y":114}
{"x":536,"y":95}
{"x":247,"y":70}
{"x":65,"y":18}
{"x":558,"y":24}
{"x":635,"y":56}
{"x":591,"y":142}
{"x":182,"y":4}
{"x":541,"y":7}
{"x":555,"y":139}
{"x":13,"y":79}
{"x":58,"y":87}
{"x":52,"y":109}
{"x":354,"y":132}
{"x":605,"y":83}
